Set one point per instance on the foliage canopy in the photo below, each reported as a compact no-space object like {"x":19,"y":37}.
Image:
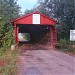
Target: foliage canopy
{"x":61,"y":10}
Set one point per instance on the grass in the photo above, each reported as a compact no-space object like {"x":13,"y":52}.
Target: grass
{"x":8,"y":62}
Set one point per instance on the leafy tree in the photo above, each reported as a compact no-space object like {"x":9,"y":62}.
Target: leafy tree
{"x":9,"y":10}
{"x":64,"y":12}
{"x":28,"y":11}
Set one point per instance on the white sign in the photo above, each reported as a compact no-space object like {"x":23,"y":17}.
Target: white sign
{"x":72,"y":35}
{"x":73,"y":31}
{"x":36,"y":19}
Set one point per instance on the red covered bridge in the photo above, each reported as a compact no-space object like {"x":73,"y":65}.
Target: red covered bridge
{"x":36,"y":24}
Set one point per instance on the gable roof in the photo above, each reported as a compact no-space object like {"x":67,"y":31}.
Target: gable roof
{"x":24,"y":16}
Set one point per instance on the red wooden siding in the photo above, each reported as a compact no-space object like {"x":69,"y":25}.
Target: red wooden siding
{"x":47,"y":21}
{"x":28,"y":19}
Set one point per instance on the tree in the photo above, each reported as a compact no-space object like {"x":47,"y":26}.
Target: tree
{"x":9,"y":10}
{"x":28,"y":11}
{"x":64,"y":12}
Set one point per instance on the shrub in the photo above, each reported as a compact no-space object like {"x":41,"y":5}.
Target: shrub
{"x":66,"y":45}
{"x":6,"y":38}
{"x":63,"y":43}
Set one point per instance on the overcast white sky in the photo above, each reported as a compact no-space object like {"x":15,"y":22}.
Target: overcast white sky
{"x":26,"y":4}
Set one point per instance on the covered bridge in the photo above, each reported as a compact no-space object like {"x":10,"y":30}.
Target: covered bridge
{"x":36,"y":24}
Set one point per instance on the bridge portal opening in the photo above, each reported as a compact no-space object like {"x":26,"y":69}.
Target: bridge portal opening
{"x":34,"y":34}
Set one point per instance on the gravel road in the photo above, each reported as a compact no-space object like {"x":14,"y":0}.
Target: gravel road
{"x":45,"y":62}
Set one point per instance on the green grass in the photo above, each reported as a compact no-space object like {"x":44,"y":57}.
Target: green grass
{"x":10,"y":61}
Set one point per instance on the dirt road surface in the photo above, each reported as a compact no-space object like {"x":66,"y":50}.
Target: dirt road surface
{"x":45,"y":62}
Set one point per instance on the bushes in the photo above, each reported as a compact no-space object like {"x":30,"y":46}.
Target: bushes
{"x":63,"y":43}
{"x":66,"y":45}
{"x":8,"y":58}
{"x":6,"y":38}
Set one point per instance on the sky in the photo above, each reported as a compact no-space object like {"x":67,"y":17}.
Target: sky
{"x":26,"y":4}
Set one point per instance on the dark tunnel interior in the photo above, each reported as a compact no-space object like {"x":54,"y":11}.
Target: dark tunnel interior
{"x":38,"y":33}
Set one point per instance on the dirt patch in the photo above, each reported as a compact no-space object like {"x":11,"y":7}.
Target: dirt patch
{"x":2,"y":63}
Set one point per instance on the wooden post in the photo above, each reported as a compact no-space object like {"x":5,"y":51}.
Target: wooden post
{"x":16,"y":31}
{"x":17,"y":35}
{"x":55,"y":34}
{"x":51,"y":37}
